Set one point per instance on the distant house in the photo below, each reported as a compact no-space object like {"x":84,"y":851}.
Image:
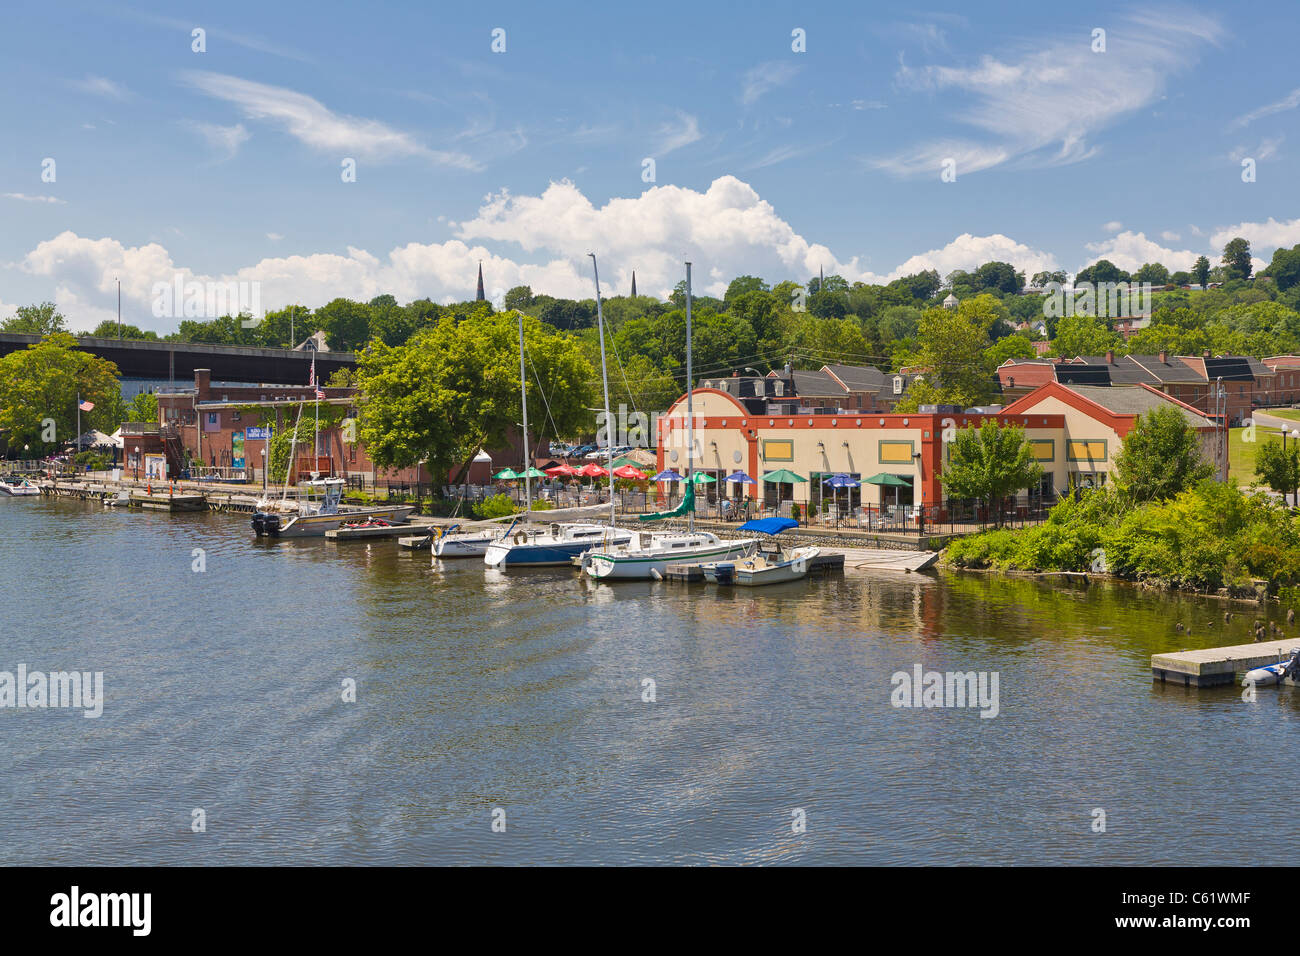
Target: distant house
{"x":313,"y":343}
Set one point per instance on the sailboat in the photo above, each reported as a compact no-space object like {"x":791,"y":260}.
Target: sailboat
{"x":649,"y":554}
{"x":560,"y":543}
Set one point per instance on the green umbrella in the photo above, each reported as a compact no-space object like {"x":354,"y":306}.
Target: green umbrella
{"x":702,"y":478}
{"x":505,"y":474}
{"x":532,"y":472}
{"x":884,"y":479}
{"x":781,"y":476}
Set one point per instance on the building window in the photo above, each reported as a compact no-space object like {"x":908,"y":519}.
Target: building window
{"x":778,"y":449}
{"x":1044,"y":449}
{"x":1087,"y":450}
{"x":895,"y":452}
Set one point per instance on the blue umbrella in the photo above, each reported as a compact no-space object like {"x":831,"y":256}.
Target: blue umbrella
{"x":841,"y":480}
{"x":667,"y":475}
{"x":741,"y":477}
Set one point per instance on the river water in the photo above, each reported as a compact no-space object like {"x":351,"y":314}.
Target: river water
{"x":519,"y":696}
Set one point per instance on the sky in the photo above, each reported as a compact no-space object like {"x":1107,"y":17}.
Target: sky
{"x":767,"y":139}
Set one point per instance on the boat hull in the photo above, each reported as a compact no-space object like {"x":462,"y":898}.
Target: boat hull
{"x":315,"y":526}
{"x":604,"y":566}
{"x":547,"y":551}
{"x":467,"y":546}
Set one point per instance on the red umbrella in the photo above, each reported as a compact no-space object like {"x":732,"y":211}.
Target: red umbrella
{"x":565,"y":470}
{"x":627,"y":471}
{"x":592,"y":470}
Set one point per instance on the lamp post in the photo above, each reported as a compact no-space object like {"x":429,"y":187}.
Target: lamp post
{"x":137,"y":462}
{"x":263,"y":469}
{"x":920,"y":480}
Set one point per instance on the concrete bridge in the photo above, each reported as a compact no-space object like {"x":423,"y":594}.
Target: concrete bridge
{"x":176,"y":361}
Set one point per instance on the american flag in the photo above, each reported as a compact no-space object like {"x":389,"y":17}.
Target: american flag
{"x":313,"y":382}
{"x":86,"y":406}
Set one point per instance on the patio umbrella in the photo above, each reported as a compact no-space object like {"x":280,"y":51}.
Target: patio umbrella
{"x":782,"y":476}
{"x":506,"y":474}
{"x":840,"y":480}
{"x":627,"y":471}
{"x":740,"y":477}
{"x":592,"y":470}
{"x":667,"y":475}
{"x":886,"y":480}
{"x":532,"y":472}
{"x":562,"y":471}
{"x":702,"y":478}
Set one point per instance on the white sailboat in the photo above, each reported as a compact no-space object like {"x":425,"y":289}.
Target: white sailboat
{"x":561,"y":543}
{"x":649,"y":554}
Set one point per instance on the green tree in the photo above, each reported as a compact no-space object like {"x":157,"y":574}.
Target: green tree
{"x":43,"y":319}
{"x":952,"y":347}
{"x":1160,"y":457}
{"x":1279,"y":468}
{"x":1201,"y":271}
{"x":1236,"y":259}
{"x":1285,"y":267}
{"x":990,"y":463}
{"x":108,"y":330}
{"x":142,"y":408}
{"x":1152,"y":272}
{"x":40,"y":385}
{"x":1083,"y":335}
{"x":454,"y":387}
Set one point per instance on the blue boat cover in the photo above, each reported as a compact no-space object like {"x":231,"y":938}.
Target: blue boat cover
{"x":769,"y":525}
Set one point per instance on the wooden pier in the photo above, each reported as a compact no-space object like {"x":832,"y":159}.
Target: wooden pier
{"x":370,"y":532}
{"x":1218,"y":665}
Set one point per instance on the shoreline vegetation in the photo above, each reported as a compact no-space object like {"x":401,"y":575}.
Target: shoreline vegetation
{"x":1211,"y":539}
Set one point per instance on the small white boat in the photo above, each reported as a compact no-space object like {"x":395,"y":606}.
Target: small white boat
{"x":18,"y":488}
{"x":762,"y":568}
{"x":1274,"y":673}
{"x":121,"y":500}
{"x":465,"y":544}
{"x":649,"y":554}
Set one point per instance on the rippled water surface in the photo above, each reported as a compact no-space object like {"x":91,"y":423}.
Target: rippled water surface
{"x":523,"y":691}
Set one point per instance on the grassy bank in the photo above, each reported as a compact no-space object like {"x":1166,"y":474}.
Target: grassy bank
{"x":1208,"y":538}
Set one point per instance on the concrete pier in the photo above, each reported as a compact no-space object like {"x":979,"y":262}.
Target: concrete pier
{"x":1218,"y":665}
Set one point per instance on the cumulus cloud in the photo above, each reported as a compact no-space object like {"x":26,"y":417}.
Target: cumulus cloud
{"x":1113,"y":226}
{"x":312,"y":123}
{"x":541,"y":241}
{"x":1131,"y":250}
{"x":1262,"y":235}
{"x":1042,"y":105}
{"x":1170,"y":236}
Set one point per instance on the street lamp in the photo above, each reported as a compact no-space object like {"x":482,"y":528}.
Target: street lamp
{"x":137,"y":462}
{"x":263,"y":469}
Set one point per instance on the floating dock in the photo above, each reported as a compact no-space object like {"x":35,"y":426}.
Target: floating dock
{"x":181,"y":502}
{"x":1218,"y":665}
{"x":370,"y":532}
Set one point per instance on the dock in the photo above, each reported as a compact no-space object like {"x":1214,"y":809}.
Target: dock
{"x":1214,"y":666}
{"x":181,"y":502}
{"x":372,"y":532}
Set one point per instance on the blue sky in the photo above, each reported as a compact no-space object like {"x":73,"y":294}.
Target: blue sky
{"x":226,"y":163}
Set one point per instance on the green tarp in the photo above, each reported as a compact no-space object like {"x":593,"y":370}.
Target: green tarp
{"x":685,"y":506}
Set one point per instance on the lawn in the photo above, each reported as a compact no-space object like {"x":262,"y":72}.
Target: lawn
{"x":1290,"y":414}
{"x":1241,"y":458}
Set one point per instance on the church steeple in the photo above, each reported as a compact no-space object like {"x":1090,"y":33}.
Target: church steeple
{"x":480,"y":296}
{"x":634,"y":283}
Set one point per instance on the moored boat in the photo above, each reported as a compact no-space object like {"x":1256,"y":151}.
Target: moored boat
{"x":650,"y":553}
{"x":315,"y":517}
{"x":18,"y":488}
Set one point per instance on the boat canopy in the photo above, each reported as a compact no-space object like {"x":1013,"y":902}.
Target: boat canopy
{"x":769,"y":525}
{"x":685,"y":506}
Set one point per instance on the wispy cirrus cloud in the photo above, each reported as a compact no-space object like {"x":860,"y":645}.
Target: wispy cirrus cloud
{"x":224,"y":141}
{"x":1043,"y":105}
{"x":675,"y":135}
{"x":764,"y":78}
{"x":102,"y":86}
{"x":1288,"y":102}
{"x":25,"y":197}
{"x":315,"y":125}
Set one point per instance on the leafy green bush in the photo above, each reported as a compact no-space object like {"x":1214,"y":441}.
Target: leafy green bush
{"x":498,"y":506}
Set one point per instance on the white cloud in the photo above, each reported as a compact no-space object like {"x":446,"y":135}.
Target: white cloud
{"x":674,"y":136}
{"x":1113,"y":226}
{"x":1267,"y":149}
{"x":726,"y":230}
{"x":1170,"y":236}
{"x":1288,"y":102}
{"x":25,"y":197}
{"x":1131,"y":250}
{"x":312,"y":123}
{"x":101,"y":86}
{"x":1044,"y":104}
{"x":223,"y":140}
{"x":274,"y":236}
{"x":764,"y":78}
{"x":1262,"y":235}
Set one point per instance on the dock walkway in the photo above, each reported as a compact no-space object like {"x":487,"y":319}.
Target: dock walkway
{"x":1212,"y":666}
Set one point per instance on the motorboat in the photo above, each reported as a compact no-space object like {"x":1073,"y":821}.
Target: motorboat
{"x":762,"y":568}
{"x":472,"y":543}
{"x":14,"y":487}
{"x":321,"y":511}
{"x":1274,"y":673}
{"x":558,"y":544}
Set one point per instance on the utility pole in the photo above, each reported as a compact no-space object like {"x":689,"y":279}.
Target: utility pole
{"x":119,"y":309}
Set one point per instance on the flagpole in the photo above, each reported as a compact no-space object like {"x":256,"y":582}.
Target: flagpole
{"x":74,"y":454}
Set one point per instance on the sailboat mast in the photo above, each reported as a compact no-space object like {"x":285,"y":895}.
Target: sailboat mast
{"x":604,"y":376}
{"x":523,"y":397}
{"x":690,"y":405}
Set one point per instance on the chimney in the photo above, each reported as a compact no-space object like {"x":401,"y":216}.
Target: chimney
{"x":1205,"y":354}
{"x":202,"y":382}
{"x":1110,"y":357}
{"x":1163,"y":357}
